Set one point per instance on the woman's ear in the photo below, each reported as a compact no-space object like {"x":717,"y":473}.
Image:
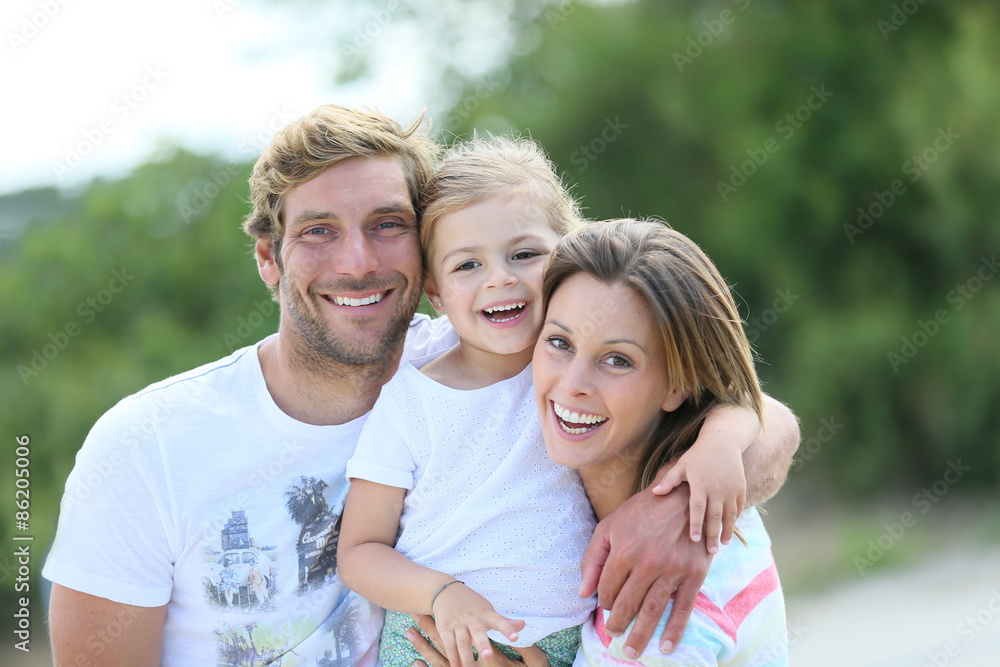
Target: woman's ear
{"x":674,"y":400}
{"x":433,"y":295}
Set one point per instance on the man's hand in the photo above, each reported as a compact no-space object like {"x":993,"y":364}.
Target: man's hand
{"x":533,"y":656}
{"x":639,"y":557}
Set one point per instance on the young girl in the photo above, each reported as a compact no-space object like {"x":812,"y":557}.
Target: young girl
{"x":450,"y":468}
{"x":645,"y":381}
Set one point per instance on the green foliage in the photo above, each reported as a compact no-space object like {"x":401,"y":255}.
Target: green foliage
{"x":649,"y":107}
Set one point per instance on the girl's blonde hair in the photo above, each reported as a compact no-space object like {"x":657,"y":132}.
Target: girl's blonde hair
{"x":484,"y":167}
{"x":708,"y":356}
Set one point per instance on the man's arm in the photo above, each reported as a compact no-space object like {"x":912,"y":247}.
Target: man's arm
{"x":88,"y":630}
{"x":769,"y":458}
{"x":635,"y":572}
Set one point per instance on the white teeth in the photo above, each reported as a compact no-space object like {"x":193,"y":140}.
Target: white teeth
{"x":365,"y":301}
{"x":497,"y":309}
{"x":577,"y":418}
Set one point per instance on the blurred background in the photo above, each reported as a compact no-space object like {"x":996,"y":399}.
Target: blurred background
{"x":840,"y":162}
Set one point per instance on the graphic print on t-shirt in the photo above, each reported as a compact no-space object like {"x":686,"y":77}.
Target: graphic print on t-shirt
{"x":271,"y":571}
{"x":317,"y":544}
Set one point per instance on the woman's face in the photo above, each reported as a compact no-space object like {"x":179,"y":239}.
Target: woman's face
{"x":600,"y":373}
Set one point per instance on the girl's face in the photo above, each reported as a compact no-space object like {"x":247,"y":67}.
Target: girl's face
{"x":600,"y":375}
{"x":486,"y":267}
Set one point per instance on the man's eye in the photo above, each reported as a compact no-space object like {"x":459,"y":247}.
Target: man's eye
{"x":316,"y":231}
{"x":388,"y":224}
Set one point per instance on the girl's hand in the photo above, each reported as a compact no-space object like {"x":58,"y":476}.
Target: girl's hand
{"x":713,"y":468}
{"x":533,"y":656}
{"x":462,"y":617}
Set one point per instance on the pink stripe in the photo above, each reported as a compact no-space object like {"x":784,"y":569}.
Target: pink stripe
{"x":740,"y":605}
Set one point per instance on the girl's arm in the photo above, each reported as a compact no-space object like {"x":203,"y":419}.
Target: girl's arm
{"x":369,"y":564}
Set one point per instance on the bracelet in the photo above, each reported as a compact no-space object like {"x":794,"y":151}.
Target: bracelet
{"x":444,"y":586}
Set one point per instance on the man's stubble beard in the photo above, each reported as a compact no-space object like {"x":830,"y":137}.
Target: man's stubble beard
{"x":318,"y":348}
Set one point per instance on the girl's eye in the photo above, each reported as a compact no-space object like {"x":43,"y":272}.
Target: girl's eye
{"x":558,"y":342}
{"x":617,"y":360}
{"x":526,"y":254}
{"x":467,"y":266}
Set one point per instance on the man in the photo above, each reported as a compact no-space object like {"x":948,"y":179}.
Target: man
{"x":241,"y":462}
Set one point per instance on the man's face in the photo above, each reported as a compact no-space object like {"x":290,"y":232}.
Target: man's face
{"x":351,"y":275}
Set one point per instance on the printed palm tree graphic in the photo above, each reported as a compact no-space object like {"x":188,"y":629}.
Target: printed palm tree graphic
{"x":317,"y":544}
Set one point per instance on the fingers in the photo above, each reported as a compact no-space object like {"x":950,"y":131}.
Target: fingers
{"x":431,"y":655}
{"x":594,"y":559}
{"x":729,"y":516}
{"x":481,"y":641}
{"x":428,"y":627}
{"x":625,"y":604}
{"x":714,"y":524}
{"x":674,"y":477}
{"x":649,"y":616}
{"x":463,"y":642}
{"x":533,"y":656}
{"x":684,"y":600}
{"x":698,"y":505}
{"x":509,"y":627}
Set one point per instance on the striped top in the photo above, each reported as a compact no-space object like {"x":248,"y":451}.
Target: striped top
{"x":738,"y":618}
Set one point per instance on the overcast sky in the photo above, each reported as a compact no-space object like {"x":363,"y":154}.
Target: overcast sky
{"x":96,"y":86}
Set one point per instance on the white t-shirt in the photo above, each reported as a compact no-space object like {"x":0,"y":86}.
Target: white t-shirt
{"x":485,"y":504}
{"x":201,"y":494}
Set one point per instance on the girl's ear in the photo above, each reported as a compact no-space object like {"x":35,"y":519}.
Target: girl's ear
{"x":433,"y":295}
{"x":674,"y":400}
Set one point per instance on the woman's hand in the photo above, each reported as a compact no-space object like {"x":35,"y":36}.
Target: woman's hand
{"x":462,"y":617}
{"x":533,"y":656}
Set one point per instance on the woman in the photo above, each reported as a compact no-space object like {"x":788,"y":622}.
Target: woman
{"x":623,"y":385}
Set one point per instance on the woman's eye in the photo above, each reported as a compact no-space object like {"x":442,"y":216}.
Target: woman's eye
{"x":617,"y":361}
{"x":558,"y":343}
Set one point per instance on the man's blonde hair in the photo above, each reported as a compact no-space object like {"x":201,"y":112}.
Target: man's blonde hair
{"x":483,"y":167}
{"x":302,"y":150}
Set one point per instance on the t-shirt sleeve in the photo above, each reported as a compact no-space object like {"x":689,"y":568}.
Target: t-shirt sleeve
{"x":427,"y":339}
{"x":112,"y":539}
{"x":383,"y":453}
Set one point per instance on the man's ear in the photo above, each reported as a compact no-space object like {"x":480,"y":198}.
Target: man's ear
{"x":674,"y":400}
{"x":433,"y":295}
{"x":267,"y":266}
